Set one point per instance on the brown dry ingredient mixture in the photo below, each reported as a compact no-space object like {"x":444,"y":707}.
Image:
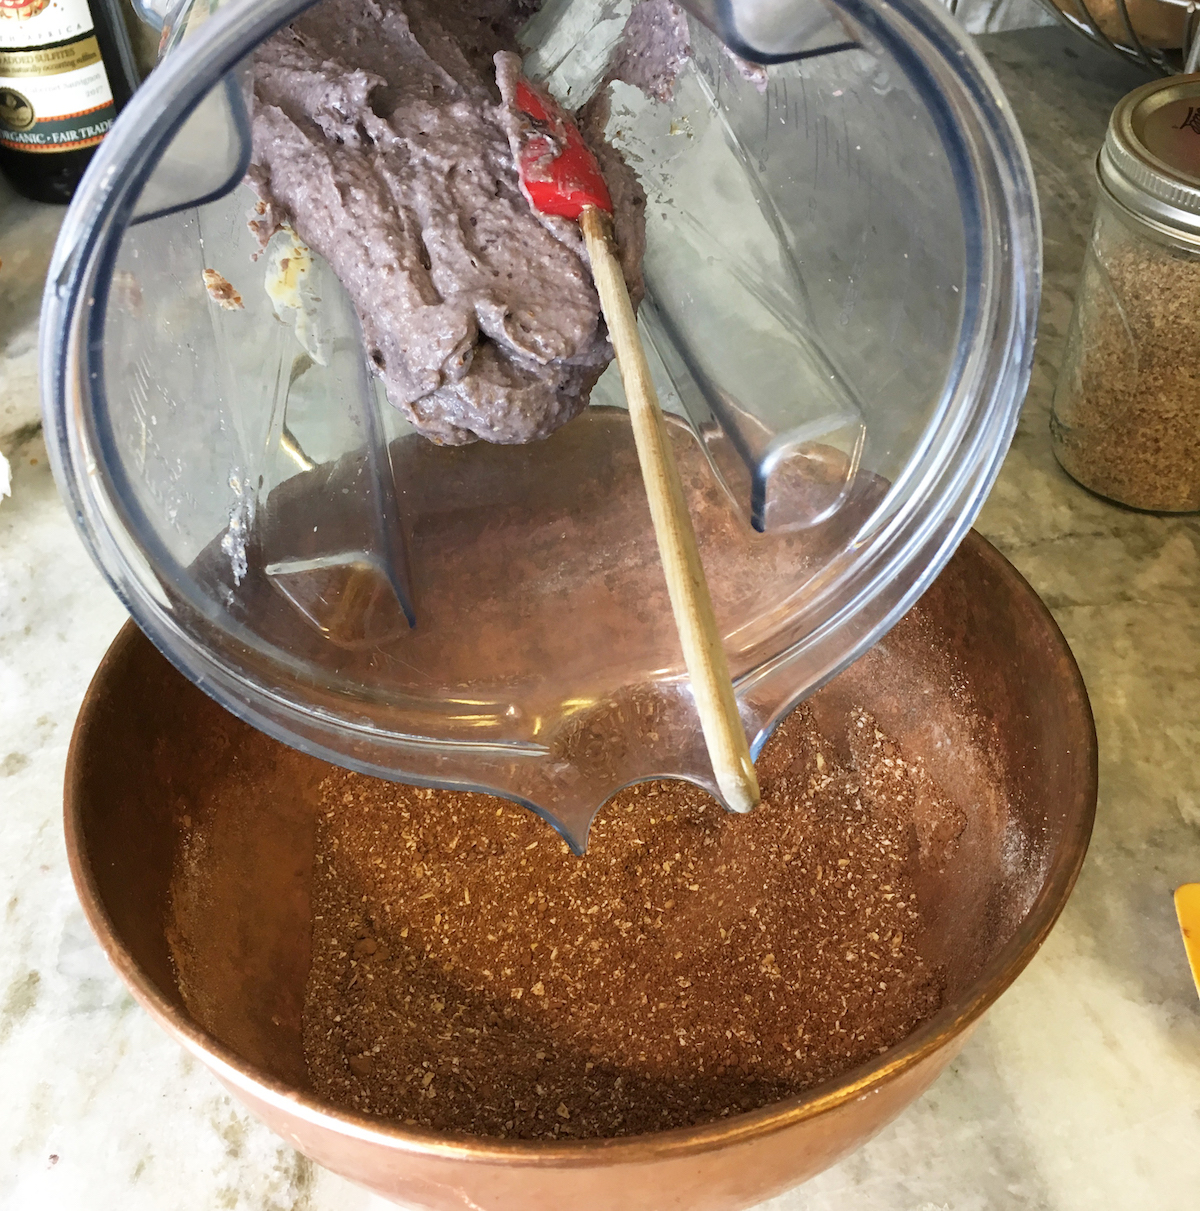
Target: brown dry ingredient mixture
{"x":469,"y":974}
{"x":1126,"y":418}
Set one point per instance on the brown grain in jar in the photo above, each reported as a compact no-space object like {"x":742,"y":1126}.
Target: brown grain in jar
{"x":1126,"y":417}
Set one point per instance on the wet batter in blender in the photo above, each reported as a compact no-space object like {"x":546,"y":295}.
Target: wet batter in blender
{"x":379,"y":137}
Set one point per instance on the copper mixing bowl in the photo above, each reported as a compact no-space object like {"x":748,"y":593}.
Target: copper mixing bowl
{"x":977,"y":681}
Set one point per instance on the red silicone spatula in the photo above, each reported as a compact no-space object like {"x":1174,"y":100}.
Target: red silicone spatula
{"x":560,"y":177}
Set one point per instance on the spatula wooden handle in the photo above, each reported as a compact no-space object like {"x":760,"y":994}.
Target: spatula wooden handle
{"x":703,"y":652}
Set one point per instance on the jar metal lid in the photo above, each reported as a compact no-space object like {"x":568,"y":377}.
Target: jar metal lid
{"x":1151,"y":157}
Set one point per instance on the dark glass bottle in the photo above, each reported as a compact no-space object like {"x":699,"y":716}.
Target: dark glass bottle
{"x":66,"y":70}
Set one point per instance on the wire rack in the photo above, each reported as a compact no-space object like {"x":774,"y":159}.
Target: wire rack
{"x":1076,"y":15}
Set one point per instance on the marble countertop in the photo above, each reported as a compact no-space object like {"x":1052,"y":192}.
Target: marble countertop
{"x":1081,"y":1088}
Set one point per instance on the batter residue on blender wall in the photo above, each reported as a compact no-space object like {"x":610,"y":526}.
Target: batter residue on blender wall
{"x":654,"y":48}
{"x":378,"y":138}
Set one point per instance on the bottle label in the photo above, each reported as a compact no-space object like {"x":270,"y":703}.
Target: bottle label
{"x":54,"y":91}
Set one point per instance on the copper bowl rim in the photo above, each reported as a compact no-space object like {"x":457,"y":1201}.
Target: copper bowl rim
{"x":932,"y":1036}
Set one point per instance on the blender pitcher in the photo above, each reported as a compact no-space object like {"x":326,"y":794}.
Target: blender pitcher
{"x":842,"y":276}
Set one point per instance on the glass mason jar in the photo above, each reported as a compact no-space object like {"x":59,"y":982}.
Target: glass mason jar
{"x":1126,"y":414}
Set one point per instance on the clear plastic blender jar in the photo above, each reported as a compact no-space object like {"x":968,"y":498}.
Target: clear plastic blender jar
{"x":842,"y":282}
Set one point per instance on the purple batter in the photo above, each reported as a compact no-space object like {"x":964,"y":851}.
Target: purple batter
{"x":379,"y":135}
{"x":654,"y":48}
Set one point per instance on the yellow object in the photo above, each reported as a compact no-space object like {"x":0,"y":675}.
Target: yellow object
{"x":1187,"y":905}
